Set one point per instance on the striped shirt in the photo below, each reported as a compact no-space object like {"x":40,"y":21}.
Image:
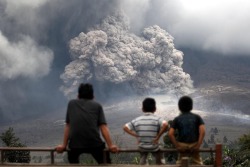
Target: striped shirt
{"x":146,"y":127}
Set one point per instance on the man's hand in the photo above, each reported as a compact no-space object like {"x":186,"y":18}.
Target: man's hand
{"x":195,"y":147}
{"x":113,"y":149}
{"x":156,"y":141}
{"x":60,"y":148}
{"x":180,"y":149}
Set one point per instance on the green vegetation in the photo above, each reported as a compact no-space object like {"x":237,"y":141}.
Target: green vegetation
{"x":238,"y":154}
{"x":10,"y":140}
{"x":235,"y":154}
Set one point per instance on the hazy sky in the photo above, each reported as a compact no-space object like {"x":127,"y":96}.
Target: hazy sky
{"x":34,"y":36}
{"x":217,"y":25}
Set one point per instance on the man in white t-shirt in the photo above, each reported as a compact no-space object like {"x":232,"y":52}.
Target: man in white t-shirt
{"x":148,"y":129}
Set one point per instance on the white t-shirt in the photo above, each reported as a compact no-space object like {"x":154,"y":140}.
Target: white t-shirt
{"x":146,"y":127}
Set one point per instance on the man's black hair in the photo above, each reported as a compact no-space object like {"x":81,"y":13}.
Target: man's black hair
{"x":185,"y":104}
{"x":149,"y":105}
{"x":85,"y":91}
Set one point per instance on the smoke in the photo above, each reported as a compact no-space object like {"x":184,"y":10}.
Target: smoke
{"x":23,"y":58}
{"x":109,"y":53}
{"x":218,"y":26}
{"x":35,"y":36}
{"x":21,"y":53}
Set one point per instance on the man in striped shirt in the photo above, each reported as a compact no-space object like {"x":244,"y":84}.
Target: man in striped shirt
{"x":148,"y":129}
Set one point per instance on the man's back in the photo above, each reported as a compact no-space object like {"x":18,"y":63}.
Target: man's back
{"x":146,"y":127}
{"x":190,"y":129}
{"x":187,"y":125}
{"x":84,"y":117}
{"x":85,"y":123}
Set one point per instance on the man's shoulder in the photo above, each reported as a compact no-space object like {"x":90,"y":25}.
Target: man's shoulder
{"x":196,"y":115}
{"x":148,"y":117}
{"x":83,"y":102}
{"x":178,"y":116}
{"x":93,"y":101}
{"x":138,"y":118}
{"x":181,"y":117}
{"x":72,"y":101}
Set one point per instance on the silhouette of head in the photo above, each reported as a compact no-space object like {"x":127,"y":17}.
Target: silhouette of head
{"x":85,"y":91}
{"x":149,"y":105}
{"x":185,"y":104}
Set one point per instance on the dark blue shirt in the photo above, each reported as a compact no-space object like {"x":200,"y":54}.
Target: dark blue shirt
{"x":187,"y":125}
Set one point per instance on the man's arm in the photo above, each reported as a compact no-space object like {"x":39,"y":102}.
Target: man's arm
{"x":106,"y":135}
{"x":132,"y":133}
{"x":162,"y":130}
{"x":129,"y":131}
{"x":201,"y":137}
{"x":61,"y":148}
{"x":172,"y":137}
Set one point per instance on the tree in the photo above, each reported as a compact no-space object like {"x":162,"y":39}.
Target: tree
{"x":225,"y":140}
{"x":212,"y":138}
{"x":239,"y":153}
{"x":236,"y":154}
{"x":216,"y":131}
{"x":244,"y":150}
{"x":10,"y":140}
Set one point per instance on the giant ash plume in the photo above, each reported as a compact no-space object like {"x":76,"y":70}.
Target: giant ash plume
{"x":110,"y":55}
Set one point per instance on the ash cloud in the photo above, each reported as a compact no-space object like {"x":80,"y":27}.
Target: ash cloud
{"x":34,"y":37}
{"x":23,"y":58}
{"x":111,"y":55}
{"x":218,"y":26}
{"x":50,"y":25}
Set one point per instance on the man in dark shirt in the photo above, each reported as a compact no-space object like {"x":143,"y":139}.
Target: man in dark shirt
{"x":85,"y":120}
{"x":191,"y":131}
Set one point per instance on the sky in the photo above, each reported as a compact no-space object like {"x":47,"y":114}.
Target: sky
{"x":35,"y":36}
